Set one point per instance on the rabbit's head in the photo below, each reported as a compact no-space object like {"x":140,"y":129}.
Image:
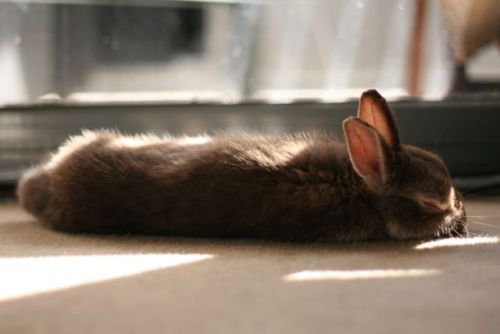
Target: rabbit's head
{"x":411,"y":187}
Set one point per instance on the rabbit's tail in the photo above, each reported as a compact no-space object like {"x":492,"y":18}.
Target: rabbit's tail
{"x":33,"y":191}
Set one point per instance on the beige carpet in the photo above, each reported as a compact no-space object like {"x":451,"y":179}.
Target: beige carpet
{"x":56,"y":283}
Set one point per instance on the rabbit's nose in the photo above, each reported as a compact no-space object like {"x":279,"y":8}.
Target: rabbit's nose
{"x":459,"y":229}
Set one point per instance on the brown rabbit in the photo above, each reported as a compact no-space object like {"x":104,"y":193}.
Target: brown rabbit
{"x":291,"y":188}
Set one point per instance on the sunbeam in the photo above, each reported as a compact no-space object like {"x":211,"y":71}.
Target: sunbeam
{"x":454,"y":242}
{"x":343,"y":275}
{"x":23,"y":277}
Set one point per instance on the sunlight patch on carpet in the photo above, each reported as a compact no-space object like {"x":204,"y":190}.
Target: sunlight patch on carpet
{"x":343,"y":275}
{"x":455,"y":242}
{"x":21,"y":277}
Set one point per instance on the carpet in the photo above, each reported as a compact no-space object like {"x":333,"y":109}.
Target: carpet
{"x":59,"y":283}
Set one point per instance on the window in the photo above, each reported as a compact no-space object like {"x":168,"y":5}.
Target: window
{"x":190,"y":66}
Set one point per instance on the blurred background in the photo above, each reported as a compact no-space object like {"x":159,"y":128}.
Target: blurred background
{"x":269,"y":65}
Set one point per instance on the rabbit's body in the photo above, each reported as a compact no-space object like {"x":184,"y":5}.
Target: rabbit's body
{"x":293,"y":188}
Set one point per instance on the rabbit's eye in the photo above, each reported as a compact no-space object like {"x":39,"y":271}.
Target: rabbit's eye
{"x":433,"y":205}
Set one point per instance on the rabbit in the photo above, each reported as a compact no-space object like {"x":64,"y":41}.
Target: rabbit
{"x":291,"y":188}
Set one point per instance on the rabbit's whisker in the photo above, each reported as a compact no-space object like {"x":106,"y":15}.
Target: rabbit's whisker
{"x":484,"y":224}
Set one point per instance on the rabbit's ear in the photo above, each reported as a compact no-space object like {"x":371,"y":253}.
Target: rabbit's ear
{"x":374,"y":110}
{"x":369,"y":154}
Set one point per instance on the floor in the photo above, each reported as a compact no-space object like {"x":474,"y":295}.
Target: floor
{"x":57,"y":283}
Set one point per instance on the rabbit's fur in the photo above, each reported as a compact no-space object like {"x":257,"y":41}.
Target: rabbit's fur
{"x":290,"y":188}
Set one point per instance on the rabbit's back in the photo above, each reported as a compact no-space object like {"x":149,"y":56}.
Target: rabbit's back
{"x":224,"y":186}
